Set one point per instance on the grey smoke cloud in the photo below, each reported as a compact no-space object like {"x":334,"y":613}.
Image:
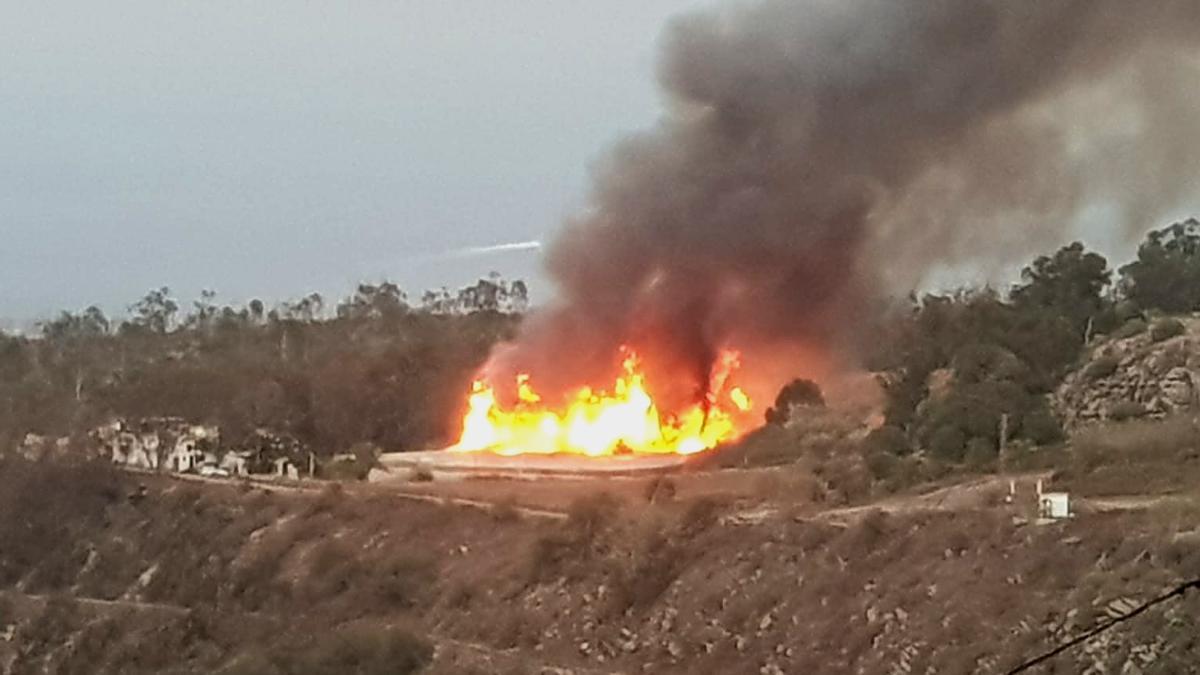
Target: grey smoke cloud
{"x":817,"y":155}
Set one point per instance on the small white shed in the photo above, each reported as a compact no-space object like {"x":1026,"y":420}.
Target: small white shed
{"x":1054,"y":505}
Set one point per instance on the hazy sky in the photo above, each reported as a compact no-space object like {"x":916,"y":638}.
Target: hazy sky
{"x":272,"y":148}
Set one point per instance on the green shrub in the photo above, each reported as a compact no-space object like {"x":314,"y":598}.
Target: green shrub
{"x":1129,"y":329}
{"x":1101,"y":368}
{"x":1165,"y":329}
{"x":1041,"y":427}
{"x":980,"y":454}
{"x":887,"y":439}
{"x":948,"y":443}
{"x":882,"y":465}
{"x":1127,"y":310}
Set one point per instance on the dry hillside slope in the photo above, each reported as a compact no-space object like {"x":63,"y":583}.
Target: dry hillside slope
{"x":100,"y":574}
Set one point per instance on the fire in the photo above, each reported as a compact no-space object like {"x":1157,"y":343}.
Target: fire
{"x":596,"y":423}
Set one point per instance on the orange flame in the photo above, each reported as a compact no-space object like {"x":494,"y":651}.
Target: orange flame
{"x":599,"y":423}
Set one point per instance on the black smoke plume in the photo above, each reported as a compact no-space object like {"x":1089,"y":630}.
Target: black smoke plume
{"x":817,"y":155}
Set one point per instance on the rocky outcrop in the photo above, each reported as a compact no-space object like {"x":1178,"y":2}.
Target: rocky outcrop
{"x":1133,"y":377}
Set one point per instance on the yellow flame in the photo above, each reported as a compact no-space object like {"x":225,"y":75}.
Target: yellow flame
{"x":740,"y":399}
{"x":599,"y":423}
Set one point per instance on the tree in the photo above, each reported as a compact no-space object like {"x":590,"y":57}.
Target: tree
{"x":493,"y":294}
{"x":155,"y":312}
{"x":1070,"y":284}
{"x":438,"y":301}
{"x":383,"y":301}
{"x":486,"y":295}
{"x":304,"y":310}
{"x":1166,"y":274}
{"x":204,"y":311}
{"x":89,"y":323}
{"x":256,"y":310}
{"x":798,"y":393}
{"x":73,"y":343}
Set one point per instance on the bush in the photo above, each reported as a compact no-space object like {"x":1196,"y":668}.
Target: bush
{"x":887,"y":439}
{"x":659,"y":490}
{"x":1125,"y":410}
{"x":948,"y":443}
{"x":1129,"y":329}
{"x":506,"y":511}
{"x":981,"y":452}
{"x":1101,"y":368}
{"x":362,"y":649}
{"x":1041,"y":428}
{"x":559,"y":553}
{"x":699,"y":516}
{"x":1165,"y":329}
{"x":882,"y":465}
{"x":403,"y":581}
{"x":8,"y":613}
{"x":49,"y":509}
{"x":1132,"y":457}
{"x":653,"y":566}
{"x":590,"y":514}
{"x":795,"y":394}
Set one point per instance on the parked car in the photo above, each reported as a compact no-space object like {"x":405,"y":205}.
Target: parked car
{"x":210,"y":471}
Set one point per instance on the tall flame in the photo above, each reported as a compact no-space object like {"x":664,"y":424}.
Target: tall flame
{"x":597,"y":423}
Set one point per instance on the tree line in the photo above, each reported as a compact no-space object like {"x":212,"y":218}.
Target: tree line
{"x":962,"y":368}
{"x":375,"y":367}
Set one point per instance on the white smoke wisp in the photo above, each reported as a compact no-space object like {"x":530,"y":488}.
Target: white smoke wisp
{"x":473,"y":251}
{"x":467,"y":252}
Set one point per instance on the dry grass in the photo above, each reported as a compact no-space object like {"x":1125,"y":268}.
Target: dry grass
{"x":1135,"y":457}
{"x":48,"y":507}
{"x":505,"y":511}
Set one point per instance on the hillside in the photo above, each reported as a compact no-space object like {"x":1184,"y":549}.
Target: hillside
{"x":833,"y":539}
{"x":117,"y":573}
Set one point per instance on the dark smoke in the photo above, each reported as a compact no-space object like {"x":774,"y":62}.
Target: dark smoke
{"x":818,"y":155}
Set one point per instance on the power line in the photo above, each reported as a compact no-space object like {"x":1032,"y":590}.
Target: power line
{"x":1176,"y":592}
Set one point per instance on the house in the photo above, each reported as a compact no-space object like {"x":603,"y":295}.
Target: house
{"x":124,"y":447}
{"x":285,"y":468}
{"x":194,"y":447}
{"x":35,"y":447}
{"x":176,"y":445}
{"x":236,"y":462}
{"x":167,"y":442}
{"x":264,"y":448}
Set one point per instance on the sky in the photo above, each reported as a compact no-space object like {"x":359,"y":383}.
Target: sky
{"x":273,"y":148}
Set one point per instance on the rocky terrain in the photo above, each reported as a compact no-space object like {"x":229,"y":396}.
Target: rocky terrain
{"x":1151,"y":374}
